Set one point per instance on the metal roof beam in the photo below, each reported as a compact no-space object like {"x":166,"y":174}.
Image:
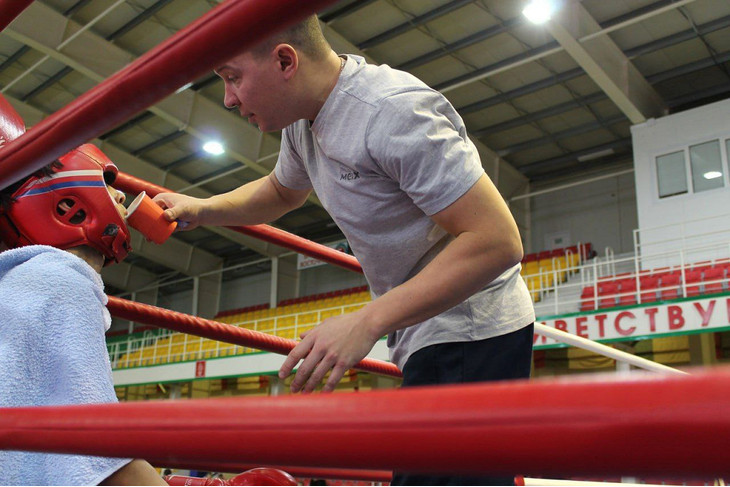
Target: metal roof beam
{"x":605,"y":63}
{"x":639,"y":50}
{"x":508,"y":24}
{"x":330,"y":16}
{"x":545,"y":50}
{"x":126,"y":125}
{"x":14,"y":57}
{"x":144,"y":15}
{"x":596,"y":97}
{"x":98,"y":59}
{"x":413,"y":23}
{"x":541,"y":114}
{"x":685,"y":35}
{"x":127,"y":277}
{"x":47,"y":83}
{"x":534,"y":167}
{"x":159,"y":142}
{"x":467,"y":41}
{"x":564,"y":134}
{"x":522,"y":91}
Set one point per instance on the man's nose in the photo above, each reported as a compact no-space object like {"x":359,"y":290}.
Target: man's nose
{"x":229,"y":100}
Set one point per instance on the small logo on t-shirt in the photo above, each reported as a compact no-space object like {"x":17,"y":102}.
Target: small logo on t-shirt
{"x":349,"y":176}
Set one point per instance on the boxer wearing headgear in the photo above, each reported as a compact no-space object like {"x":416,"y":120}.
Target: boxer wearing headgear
{"x":52,"y":303}
{"x":68,"y":205}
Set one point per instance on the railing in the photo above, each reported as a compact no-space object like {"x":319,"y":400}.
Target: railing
{"x":121,"y":353}
{"x":658,"y":245}
{"x":563,"y":284}
{"x":556,"y":281}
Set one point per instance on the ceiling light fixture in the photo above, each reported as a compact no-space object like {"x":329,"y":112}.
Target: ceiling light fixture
{"x":183,"y":88}
{"x":213,"y":147}
{"x":539,"y":11}
{"x":596,"y":155}
{"x":712,"y":175}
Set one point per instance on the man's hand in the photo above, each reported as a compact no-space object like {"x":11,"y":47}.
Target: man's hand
{"x":185,"y":209}
{"x":336,"y":344}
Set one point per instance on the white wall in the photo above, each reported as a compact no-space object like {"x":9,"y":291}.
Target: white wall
{"x":182,"y":302}
{"x":246,"y":291}
{"x":253,"y":290}
{"x":676,"y":133}
{"x":602,"y":212}
{"x":328,"y":278}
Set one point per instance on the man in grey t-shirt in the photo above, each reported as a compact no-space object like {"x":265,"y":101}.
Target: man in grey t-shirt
{"x":390,"y":160}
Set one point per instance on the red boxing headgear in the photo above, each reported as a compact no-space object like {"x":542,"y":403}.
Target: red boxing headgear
{"x":70,"y":207}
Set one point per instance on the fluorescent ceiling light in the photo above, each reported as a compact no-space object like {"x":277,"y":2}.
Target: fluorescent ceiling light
{"x":596,"y":155}
{"x":213,"y":147}
{"x":539,"y":11}
{"x":183,"y":88}
{"x":712,"y":175}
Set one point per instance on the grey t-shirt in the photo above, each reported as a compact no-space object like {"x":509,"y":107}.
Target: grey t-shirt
{"x":384,"y":154}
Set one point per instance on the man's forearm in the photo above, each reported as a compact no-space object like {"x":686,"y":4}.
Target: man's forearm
{"x":251,"y":204}
{"x":464,"y":267}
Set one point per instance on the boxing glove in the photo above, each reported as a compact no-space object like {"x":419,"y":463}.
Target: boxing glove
{"x":184,"y":480}
{"x":262,"y":476}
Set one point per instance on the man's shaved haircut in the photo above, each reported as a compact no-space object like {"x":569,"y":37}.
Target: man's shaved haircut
{"x":305,"y":37}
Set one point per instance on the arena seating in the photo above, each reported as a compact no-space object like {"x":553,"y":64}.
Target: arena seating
{"x":662,"y":284}
{"x":540,"y":269}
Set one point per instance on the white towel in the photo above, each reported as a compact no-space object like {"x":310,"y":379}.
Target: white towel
{"x":52,"y":351}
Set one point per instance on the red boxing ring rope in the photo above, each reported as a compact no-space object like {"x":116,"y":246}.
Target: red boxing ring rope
{"x":201,"y":46}
{"x":637,"y":426}
{"x":130,"y":184}
{"x":193,"y":325}
{"x":9,"y":9}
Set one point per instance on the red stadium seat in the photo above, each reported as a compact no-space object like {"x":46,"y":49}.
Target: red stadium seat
{"x":627,"y":288}
{"x":692,"y":279}
{"x":607,"y":292}
{"x":713,"y":280}
{"x":587,"y":299}
{"x":670,"y":285}
{"x":648,"y":286}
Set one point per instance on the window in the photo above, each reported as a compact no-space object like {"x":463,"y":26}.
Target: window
{"x":706,"y":162}
{"x":671,"y":174}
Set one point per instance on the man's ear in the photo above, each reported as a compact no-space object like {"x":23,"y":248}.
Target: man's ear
{"x":287,"y":60}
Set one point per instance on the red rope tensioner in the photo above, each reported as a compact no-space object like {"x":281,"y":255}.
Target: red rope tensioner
{"x":657,"y":426}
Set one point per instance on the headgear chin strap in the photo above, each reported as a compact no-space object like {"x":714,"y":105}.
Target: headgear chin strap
{"x":69,"y":207}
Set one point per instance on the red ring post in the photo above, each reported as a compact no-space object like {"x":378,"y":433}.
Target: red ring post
{"x":675,"y":426}
{"x":201,"y":46}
